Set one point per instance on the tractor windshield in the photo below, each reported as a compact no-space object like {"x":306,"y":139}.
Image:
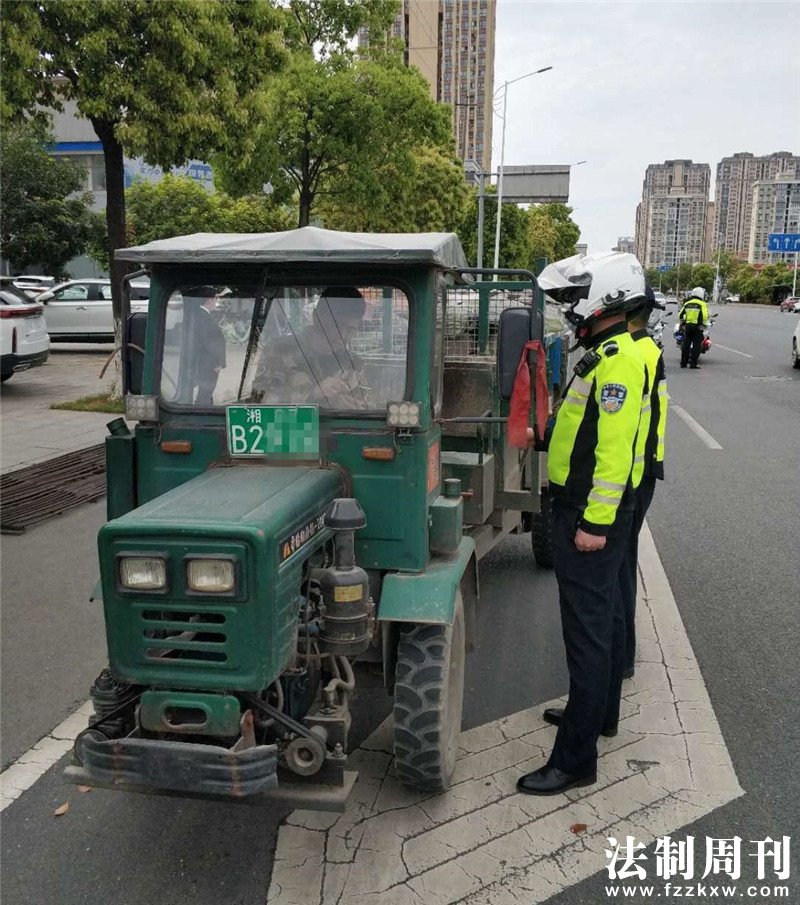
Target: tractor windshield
{"x":339,"y":347}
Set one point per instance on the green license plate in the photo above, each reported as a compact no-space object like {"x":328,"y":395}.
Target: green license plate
{"x":284,"y":431}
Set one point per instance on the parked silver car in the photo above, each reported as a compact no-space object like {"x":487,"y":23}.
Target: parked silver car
{"x":80,"y":310}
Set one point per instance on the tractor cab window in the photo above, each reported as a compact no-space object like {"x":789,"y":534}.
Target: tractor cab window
{"x":342,"y":348}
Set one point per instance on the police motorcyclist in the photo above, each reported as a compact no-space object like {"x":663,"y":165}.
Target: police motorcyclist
{"x":653,"y":462}
{"x":694,"y":318}
{"x":593,"y":474}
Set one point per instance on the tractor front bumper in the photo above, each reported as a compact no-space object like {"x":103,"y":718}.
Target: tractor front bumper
{"x":162,"y":767}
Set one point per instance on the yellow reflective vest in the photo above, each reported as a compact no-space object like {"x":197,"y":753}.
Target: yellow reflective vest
{"x":694,"y":311}
{"x":657,"y":380}
{"x":595,"y":458}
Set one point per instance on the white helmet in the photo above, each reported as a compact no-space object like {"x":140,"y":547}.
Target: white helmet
{"x":698,"y":293}
{"x":607,"y":282}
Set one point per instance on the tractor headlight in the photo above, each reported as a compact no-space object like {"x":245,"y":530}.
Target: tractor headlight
{"x":403,"y":414}
{"x":142,"y":573}
{"x":210,"y":576}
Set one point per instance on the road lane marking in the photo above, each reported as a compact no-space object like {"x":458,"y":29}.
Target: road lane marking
{"x":481,"y":843}
{"x":698,"y":429}
{"x":735,"y":351}
{"x":36,"y":761}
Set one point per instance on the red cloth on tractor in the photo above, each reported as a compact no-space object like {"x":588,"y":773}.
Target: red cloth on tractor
{"x":519,"y":414}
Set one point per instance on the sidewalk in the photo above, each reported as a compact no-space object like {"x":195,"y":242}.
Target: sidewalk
{"x":30,"y":431}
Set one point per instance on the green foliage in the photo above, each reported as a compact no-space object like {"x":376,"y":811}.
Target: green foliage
{"x":45,"y":222}
{"x":703,"y":275}
{"x":329,"y":26}
{"x":100,"y":402}
{"x":567,"y":232}
{"x":346,"y":133}
{"x":515,"y":244}
{"x":178,"y":206}
{"x":430,"y":195}
{"x":166,"y":81}
{"x":543,"y":231}
{"x":543,"y":234}
{"x":756,"y":285}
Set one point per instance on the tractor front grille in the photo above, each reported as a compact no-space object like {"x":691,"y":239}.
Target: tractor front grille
{"x":184,"y":636}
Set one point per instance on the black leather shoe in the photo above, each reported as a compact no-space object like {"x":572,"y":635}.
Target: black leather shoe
{"x":695,"y":367}
{"x":553,"y":716}
{"x":550,"y":781}
{"x":683,"y":366}
{"x":629,"y":673}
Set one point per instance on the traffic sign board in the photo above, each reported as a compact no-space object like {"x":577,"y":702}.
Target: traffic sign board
{"x":784,"y":242}
{"x":663,"y":268}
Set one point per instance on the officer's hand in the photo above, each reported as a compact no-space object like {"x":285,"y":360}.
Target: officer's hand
{"x":588,"y":543}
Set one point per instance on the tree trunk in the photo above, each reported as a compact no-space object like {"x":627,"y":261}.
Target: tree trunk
{"x":115,"y":213}
{"x":306,"y":199}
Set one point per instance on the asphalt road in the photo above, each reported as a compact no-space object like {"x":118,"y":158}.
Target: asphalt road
{"x":725,"y":523}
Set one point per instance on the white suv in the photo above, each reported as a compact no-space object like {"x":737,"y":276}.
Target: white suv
{"x":23,"y":334}
{"x":80,"y":310}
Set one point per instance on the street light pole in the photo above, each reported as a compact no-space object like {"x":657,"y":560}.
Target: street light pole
{"x":500,"y":184}
{"x":481,"y":188}
{"x":502,"y":161}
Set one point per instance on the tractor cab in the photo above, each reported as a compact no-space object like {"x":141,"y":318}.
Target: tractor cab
{"x":318,"y":459}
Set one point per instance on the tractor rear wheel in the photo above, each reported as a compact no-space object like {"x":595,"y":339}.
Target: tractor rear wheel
{"x":542,"y":531}
{"x":428,"y":699}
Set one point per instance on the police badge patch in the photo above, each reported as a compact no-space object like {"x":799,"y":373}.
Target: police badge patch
{"x":612,"y":396}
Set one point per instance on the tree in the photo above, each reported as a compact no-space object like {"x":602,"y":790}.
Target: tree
{"x":45,"y":219}
{"x":515,"y":243}
{"x":543,"y":234}
{"x":324,"y":27}
{"x":166,"y":81}
{"x":566,"y":230}
{"x":428,"y":196}
{"x":177,"y":206}
{"x":703,"y":275}
{"x":339,"y":129}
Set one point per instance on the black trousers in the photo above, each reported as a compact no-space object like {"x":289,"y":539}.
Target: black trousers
{"x":593,"y":625}
{"x":692,"y":344}
{"x":205,"y":390}
{"x":627,"y":572}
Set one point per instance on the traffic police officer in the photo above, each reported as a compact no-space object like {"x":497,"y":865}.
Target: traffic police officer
{"x":593,"y":467}
{"x":694,"y":316}
{"x":653,"y":448}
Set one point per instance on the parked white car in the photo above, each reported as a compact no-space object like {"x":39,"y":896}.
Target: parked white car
{"x":23,"y":334}
{"x":796,"y":347}
{"x":33,"y":284}
{"x":80,"y":310}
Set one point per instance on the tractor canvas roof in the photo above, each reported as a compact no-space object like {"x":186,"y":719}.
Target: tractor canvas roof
{"x":308,"y":245}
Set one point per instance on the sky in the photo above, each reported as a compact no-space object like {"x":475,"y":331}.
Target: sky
{"x":641,"y":82}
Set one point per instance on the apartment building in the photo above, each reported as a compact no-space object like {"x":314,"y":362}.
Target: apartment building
{"x":775,"y":209}
{"x":626,"y":244}
{"x":671,"y":217}
{"x":452,"y":43}
{"x":734,"y":195}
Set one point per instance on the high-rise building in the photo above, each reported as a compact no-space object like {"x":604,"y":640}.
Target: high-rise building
{"x":626,"y":244}
{"x":736,"y":176}
{"x":710,"y":245}
{"x":671,"y":217}
{"x":452,"y":43}
{"x":775,"y":209}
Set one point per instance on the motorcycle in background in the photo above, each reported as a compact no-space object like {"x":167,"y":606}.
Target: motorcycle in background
{"x":677,"y":332}
{"x":656,"y":324}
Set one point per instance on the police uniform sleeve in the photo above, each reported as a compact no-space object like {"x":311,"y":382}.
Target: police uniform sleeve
{"x":619,"y":385}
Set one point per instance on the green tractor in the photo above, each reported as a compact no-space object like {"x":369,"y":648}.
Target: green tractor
{"x":319,"y":461}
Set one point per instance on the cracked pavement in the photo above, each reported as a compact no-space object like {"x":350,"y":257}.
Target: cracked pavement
{"x":482,"y":842}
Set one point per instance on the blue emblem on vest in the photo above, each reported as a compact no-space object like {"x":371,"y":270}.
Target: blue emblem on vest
{"x":612,"y":396}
